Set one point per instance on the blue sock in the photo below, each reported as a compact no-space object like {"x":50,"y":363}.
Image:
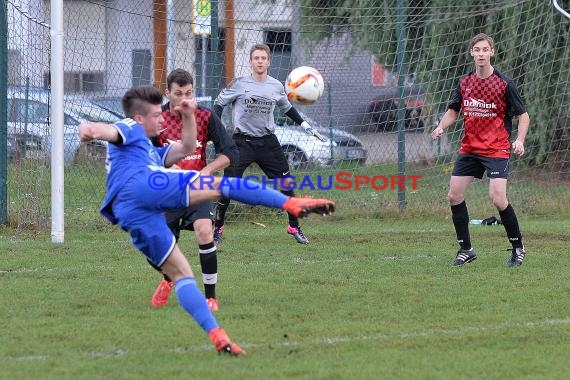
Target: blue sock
{"x":193,"y":301}
{"x":251,"y":192}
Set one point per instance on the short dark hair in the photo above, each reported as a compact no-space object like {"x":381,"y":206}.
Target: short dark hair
{"x":482,"y":37}
{"x":179,"y":76}
{"x":136,"y":100}
{"x":263,"y":47}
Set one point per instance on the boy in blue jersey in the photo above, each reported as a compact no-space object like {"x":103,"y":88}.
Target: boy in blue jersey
{"x":140,"y":189}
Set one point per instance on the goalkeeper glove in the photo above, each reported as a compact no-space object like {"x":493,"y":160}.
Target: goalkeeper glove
{"x":311,"y":131}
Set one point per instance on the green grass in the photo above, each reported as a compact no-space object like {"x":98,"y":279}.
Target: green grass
{"x":372,"y":300}
{"x":534,"y":196}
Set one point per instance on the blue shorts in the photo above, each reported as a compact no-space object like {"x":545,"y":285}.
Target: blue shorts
{"x":141,"y":204}
{"x":467,"y":165}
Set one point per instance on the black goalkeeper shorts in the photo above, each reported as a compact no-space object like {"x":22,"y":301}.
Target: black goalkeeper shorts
{"x":265,"y":151}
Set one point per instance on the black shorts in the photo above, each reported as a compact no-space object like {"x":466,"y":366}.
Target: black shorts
{"x":467,"y":165}
{"x":265,"y":151}
{"x":184,"y":218}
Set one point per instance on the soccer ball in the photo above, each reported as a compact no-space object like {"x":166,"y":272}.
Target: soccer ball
{"x":304,"y":85}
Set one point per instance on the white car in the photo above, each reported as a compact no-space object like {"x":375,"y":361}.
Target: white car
{"x":345,"y":146}
{"x":300,"y":149}
{"x":303,"y":150}
{"x":29,"y":127}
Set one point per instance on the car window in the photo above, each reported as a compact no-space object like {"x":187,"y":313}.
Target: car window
{"x":90,"y":112}
{"x":69,"y":120}
{"x":279,"y":117}
{"x":37,"y":112}
{"x":113,"y":105}
{"x":10,"y":110}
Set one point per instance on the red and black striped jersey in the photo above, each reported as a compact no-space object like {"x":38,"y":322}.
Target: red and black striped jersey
{"x":488,"y":106}
{"x":208,"y":128}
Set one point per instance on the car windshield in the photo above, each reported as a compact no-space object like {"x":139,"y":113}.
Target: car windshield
{"x":281,"y":118}
{"x":91,"y":112}
{"x":113,"y":105}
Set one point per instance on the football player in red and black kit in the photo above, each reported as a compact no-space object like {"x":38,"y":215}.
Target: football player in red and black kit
{"x":487,"y":100}
{"x":197,"y":218}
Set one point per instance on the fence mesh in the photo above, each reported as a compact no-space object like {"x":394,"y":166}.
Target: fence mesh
{"x":389,"y":73}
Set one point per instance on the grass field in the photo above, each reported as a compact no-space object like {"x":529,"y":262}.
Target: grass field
{"x":377,"y":300}
{"x":531,"y":194}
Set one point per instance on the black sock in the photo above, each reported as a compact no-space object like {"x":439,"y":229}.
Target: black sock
{"x":209,"y":264}
{"x":460,"y":217}
{"x":511,"y":224}
{"x":220,"y":212}
{"x":293,"y":220}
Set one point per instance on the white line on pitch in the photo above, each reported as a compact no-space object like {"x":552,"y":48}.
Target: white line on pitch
{"x":397,"y":335}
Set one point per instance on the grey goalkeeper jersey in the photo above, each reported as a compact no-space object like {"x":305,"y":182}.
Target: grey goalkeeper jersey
{"x":253,"y":103}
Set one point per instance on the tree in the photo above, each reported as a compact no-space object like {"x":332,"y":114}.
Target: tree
{"x":532,"y":47}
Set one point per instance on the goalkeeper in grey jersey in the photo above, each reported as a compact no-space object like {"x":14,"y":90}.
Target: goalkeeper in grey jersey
{"x":253,"y":99}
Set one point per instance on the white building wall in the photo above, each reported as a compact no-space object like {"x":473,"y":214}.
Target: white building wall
{"x":251,"y":17}
{"x":100,"y":36}
{"x":184,"y":51}
{"x":129,"y":27}
{"x":28,"y":34}
{"x":84,"y":28}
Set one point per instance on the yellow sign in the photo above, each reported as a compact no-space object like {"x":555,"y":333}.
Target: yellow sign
{"x":202,"y":17}
{"x":204,"y":8}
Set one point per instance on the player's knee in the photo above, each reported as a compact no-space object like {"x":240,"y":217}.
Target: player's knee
{"x":500,"y":202}
{"x":204,"y":233}
{"x":454,"y":198}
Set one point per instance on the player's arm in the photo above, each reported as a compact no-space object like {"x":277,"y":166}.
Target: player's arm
{"x":187,"y":144}
{"x":227,"y":96}
{"x":221,"y":162}
{"x":285,"y":105}
{"x":99,"y":131}
{"x":226,"y":149}
{"x":218,"y":110}
{"x":296,"y":117}
{"x":517,"y":107}
{"x":524,"y":123}
{"x":446,"y":121}
{"x":450,"y":115}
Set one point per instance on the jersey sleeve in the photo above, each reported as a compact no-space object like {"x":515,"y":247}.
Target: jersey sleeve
{"x":283,"y":102}
{"x":228,"y":94}
{"x":163,"y":152}
{"x":455,"y":102}
{"x":223,"y":142}
{"x":127,"y":130}
{"x":516,"y":105}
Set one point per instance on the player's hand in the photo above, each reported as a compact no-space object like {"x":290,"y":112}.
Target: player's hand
{"x":186,"y":107}
{"x":313,"y":132}
{"x":437,"y":133}
{"x":518,"y":147}
{"x":86,"y":132}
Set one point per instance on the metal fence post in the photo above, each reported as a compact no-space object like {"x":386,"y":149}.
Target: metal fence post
{"x":3,"y":113}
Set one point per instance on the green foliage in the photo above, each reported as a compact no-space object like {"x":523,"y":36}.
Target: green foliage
{"x":532,"y":45}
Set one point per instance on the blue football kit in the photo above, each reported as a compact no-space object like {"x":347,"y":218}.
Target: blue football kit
{"x":140,"y":189}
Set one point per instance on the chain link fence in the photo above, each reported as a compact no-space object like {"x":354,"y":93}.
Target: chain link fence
{"x":389,"y":73}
